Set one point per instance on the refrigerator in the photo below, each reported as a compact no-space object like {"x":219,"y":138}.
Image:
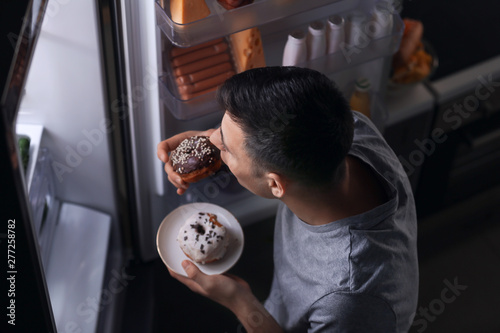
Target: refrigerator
{"x":91,"y":87}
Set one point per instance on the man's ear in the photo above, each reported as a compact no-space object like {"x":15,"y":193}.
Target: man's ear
{"x":277,"y":184}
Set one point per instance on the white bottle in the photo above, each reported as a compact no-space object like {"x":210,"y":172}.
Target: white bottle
{"x":295,"y":51}
{"x":382,"y":20}
{"x":335,"y":33}
{"x":356,"y":36}
{"x":316,"y":40}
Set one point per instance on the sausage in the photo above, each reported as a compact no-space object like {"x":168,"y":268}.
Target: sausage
{"x":199,"y":54}
{"x":205,"y":84}
{"x":202,"y":64}
{"x":203,"y":74}
{"x":186,"y":96}
{"x":177,"y":51}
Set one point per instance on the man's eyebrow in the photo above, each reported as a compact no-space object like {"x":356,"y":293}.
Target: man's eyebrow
{"x":222,"y":138}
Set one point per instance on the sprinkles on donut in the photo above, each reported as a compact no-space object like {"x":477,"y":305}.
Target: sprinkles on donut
{"x":203,"y":238}
{"x":196,"y":158}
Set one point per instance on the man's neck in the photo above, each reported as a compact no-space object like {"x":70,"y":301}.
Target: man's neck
{"x":358,"y":192}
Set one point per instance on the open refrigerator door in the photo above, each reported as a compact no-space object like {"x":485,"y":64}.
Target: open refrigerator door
{"x":163,"y":106}
{"x":62,"y":133}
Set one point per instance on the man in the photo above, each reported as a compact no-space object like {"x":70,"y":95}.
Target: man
{"x":345,"y":237}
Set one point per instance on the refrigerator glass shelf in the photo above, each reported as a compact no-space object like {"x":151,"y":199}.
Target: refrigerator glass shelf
{"x":329,"y":64}
{"x":221,"y":22}
{"x":75,"y":273}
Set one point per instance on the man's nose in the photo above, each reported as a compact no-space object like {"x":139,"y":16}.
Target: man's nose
{"x":215,"y":138}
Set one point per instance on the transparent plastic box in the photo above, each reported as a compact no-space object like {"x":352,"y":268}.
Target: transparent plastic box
{"x":184,"y":109}
{"x":223,"y":22}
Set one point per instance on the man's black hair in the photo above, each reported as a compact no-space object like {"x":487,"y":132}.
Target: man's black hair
{"x":296,"y":122}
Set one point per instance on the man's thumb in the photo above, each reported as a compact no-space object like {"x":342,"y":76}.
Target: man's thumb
{"x":190,"y":269}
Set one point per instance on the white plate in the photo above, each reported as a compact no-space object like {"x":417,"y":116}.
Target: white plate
{"x":170,"y":251}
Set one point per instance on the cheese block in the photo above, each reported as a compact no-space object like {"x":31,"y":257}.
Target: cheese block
{"x":247,"y":50}
{"x":185,"y":11}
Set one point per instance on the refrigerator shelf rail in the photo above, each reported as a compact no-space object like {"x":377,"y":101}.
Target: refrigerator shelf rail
{"x":222,"y":22}
{"x":330,"y":64}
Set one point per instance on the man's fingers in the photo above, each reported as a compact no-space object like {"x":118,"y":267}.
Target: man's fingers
{"x":162,"y":150}
{"x":176,"y":180}
{"x":197,"y":280}
{"x":166,"y":146}
{"x":187,"y":281}
{"x":191,"y":270}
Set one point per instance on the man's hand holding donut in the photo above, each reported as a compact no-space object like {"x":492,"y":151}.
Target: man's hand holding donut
{"x":166,"y":146}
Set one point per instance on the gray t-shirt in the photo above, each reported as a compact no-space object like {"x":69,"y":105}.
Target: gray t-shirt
{"x":358,"y":274}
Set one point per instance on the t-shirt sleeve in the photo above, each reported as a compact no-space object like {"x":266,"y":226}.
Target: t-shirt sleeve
{"x":347,"y":312}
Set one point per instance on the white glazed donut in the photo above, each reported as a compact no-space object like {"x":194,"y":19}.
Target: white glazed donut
{"x":203,"y":239}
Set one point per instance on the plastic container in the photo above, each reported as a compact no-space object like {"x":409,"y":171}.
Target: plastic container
{"x":295,"y":51}
{"x":222,"y":22}
{"x":181,"y":108}
{"x":316,"y":40}
{"x":381,"y":20}
{"x":355,"y":26}
{"x":381,"y":25}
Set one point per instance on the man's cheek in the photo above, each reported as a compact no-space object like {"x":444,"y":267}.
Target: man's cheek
{"x":226,"y":159}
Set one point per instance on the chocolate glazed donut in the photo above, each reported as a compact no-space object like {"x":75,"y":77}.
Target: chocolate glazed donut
{"x":196,"y":158}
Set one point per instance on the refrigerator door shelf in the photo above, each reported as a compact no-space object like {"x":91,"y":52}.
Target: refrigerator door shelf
{"x":76,"y":270}
{"x":345,"y":60}
{"x":185,"y":109}
{"x":223,"y":22}
{"x":347,"y":57}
